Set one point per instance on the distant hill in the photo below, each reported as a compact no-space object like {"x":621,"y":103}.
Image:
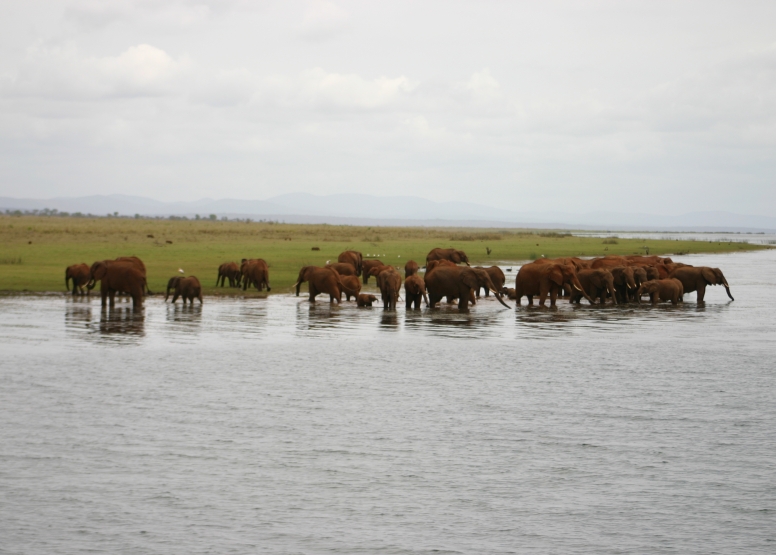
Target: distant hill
{"x":360,"y":209}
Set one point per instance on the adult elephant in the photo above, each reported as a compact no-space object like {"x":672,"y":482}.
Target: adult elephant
{"x":366,"y":267}
{"x":229,"y":271}
{"x":452,"y":255}
{"x":459,"y":283}
{"x":255,"y":272}
{"x":344,"y":268}
{"x":389,"y":282}
{"x":117,"y":277}
{"x":437,"y":263}
{"x":640,"y":259}
{"x":611,"y":261}
{"x":496,"y":276}
{"x":352,"y":257}
{"x":697,"y":278}
{"x":411,"y":268}
{"x":597,"y":284}
{"x":625,"y":283}
{"x":351,"y":286}
{"x":188,"y":288}
{"x":80,"y":275}
{"x":414,"y":291}
{"x":543,"y":280}
{"x":662,"y":290}
{"x":320,"y":280}
{"x":132,"y":261}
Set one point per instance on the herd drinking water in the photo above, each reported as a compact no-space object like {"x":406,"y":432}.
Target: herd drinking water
{"x":448,"y":275}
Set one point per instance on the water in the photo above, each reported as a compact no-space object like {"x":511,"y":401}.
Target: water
{"x":714,"y":236}
{"x":272,"y":426}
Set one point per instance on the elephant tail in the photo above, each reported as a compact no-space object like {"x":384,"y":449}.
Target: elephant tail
{"x":145,"y":287}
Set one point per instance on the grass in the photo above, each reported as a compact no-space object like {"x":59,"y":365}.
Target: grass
{"x":34,"y":251}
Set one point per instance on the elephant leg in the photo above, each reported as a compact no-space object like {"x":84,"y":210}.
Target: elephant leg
{"x":530,"y":299}
{"x":553,"y":296}
{"x":112,"y":298}
{"x":542,"y":295}
{"x":701,"y":293}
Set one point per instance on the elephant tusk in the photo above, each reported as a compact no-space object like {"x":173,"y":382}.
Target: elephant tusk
{"x":577,"y":288}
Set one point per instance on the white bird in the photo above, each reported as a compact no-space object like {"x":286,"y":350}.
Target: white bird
{"x":181,"y":270}
{"x":328,"y":261}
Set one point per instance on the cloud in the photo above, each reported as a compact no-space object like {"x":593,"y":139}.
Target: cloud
{"x":323,"y":20}
{"x":62,"y":73}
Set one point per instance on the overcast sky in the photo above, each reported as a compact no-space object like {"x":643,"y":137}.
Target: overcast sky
{"x":662,"y":107}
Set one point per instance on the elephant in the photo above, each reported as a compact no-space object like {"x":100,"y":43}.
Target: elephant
{"x":544,"y":279}
{"x":389,"y":282}
{"x":597,"y":284}
{"x":457,"y":282}
{"x":510,"y":293}
{"x":229,"y":271}
{"x":80,"y":275}
{"x":188,"y":288}
{"x":578,"y":263}
{"x":624,"y":283}
{"x":611,"y":261}
{"x":352,"y":257}
{"x":366,"y":267}
{"x":437,"y":263}
{"x":255,"y":272}
{"x":133,"y":261}
{"x":496,"y":276}
{"x":414,"y":291}
{"x":344,"y":268}
{"x":452,"y":255}
{"x":662,"y":290}
{"x":320,"y":280}
{"x":410,"y":268}
{"x":115,"y":277}
{"x":652,"y":260}
{"x":351,"y":286}
{"x":697,"y":278}
{"x":365,"y":300}
{"x":377,"y":270}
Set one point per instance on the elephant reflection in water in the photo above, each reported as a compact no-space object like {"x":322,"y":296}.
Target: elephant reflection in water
{"x":123,"y":320}
{"x":78,"y":312}
{"x":318,"y":316}
{"x":185,"y":313}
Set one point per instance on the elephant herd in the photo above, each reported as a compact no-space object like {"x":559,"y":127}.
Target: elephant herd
{"x":448,"y":275}
{"x":620,"y":279}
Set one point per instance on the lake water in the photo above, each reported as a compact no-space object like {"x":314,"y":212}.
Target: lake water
{"x":273,"y":426}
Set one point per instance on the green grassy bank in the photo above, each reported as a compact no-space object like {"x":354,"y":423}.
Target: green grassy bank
{"x":34,"y":251}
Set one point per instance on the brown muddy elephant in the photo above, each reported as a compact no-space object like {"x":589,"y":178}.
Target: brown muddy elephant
{"x":697,"y":278}
{"x":496,"y":276}
{"x":452,"y":255}
{"x":457,"y":282}
{"x":80,"y":275}
{"x":625,"y":283}
{"x":344,"y":268}
{"x":543,"y":280}
{"x":597,"y":284}
{"x":255,"y":271}
{"x":133,"y":261}
{"x":320,"y":280}
{"x":414,"y":291}
{"x":389,"y":282}
{"x":187,"y":288}
{"x":351,"y":286}
{"x":119,"y":277}
{"x":365,"y":300}
{"x":437,"y":263}
{"x":366,"y":267}
{"x":662,"y":290}
{"x":410,"y":268}
{"x":229,"y":271}
{"x":352,"y":257}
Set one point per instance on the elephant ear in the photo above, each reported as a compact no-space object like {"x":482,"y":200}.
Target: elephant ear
{"x":470,"y":280}
{"x":556,"y":275}
{"x":709,"y":276}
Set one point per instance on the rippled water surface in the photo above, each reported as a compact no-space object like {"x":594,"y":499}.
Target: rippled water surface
{"x":274,"y":426}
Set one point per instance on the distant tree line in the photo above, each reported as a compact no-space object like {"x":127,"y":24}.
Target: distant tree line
{"x":53,"y":212}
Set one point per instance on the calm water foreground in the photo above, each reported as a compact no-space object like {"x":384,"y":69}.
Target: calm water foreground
{"x":273,"y":426}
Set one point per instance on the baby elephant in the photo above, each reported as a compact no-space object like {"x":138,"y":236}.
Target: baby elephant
{"x":365,"y":300}
{"x":186,"y":287}
{"x":662,"y":290}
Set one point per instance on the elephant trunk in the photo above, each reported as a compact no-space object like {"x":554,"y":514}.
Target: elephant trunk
{"x":167,"y":294}
{"x":425,"y":298}
{"x":298,"y":286}
{"x":499,"y":297}
{"x":727,"y":290}
{"x":578,"y":286}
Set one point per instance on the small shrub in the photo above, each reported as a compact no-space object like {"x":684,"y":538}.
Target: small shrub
{"x":554,"y":234}
{"x":475,"y":237}
{"x":609,"y":241}
{"x":532,"y":256}
{"x":9,"y":261}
